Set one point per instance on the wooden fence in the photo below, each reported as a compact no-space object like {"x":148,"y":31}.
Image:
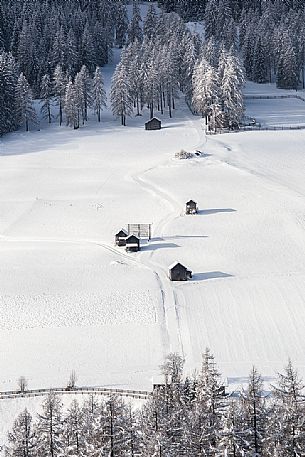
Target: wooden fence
{"x":138,"y":394}
{"x":273,"y":97}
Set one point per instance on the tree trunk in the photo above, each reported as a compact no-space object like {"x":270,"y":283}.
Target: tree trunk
{"x":60,"y":112}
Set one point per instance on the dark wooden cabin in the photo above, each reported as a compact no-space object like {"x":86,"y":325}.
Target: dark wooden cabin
{"x":178,"y":272}
{"x":120,"y":237}
{"x":191,"y":207}
{"x":132,"y":243}
{"x":153,"y":124}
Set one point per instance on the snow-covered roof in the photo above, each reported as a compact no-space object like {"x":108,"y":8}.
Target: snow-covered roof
{"x":122,"y":231}
{"x":132,"y":236}
{"x":153,"y":119}
{"x":174,"y":264}
{"x":190,"y":202}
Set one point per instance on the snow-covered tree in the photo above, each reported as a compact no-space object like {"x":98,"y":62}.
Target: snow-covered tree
{"x":209,"y":406}
{"x":49,"y":428}
{"x":121,"y":99}
{"x":8,"y":83}
{"x":253,"y":415}
{"x":46,"y":97}
{"x":150,"y":22}
{"x":231,"y":85}
{"x":60,"y":84}
{"x":134,"y":29}
{"x":289,"y":414}
{"x":205,"y":88}
{"x":83,"y":92}
{"x":25,"y":111}
{"x":121,"y":25}
{"x":21,"y":439}
{"x":71,"y":106}
{"x":99,"y":98}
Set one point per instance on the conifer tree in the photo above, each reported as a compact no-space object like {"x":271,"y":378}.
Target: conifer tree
{"x":21,"y":440}
{"x":205,"y":88}
{"x":254,"y":416}
{"x":98,"y":93}
{"x":134,"y":28}
{"x":50,"y":427}
{"x":83,"y":92}
{"x":25,"y":111}
{"x":71,"y":105}
{"x":209,"y":406}
{"x":8,"y":84}
{"x":289,"y":414}
{"x":121,"y":99}
{"x":121,"y":26}
{"x":46,"y":96}
{"x":150,"y":22}
{"x":60,"y":83}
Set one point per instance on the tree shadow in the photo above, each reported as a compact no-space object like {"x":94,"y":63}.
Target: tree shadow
{"x":210,"y":275}
{"x":174,"y":125}
{"x":216,"y":211}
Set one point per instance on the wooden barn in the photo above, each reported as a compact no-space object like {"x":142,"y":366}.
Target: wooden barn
{"x":191,"y":207}
{"x":153,"y":124}
{"x":120,"y":237}
{"x":132,"y":243}
{"x":178,"y":272}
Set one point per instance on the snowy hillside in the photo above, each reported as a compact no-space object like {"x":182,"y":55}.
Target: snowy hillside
{"x":70,"y":300}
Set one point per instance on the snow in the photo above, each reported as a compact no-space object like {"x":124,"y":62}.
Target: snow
{"x":287,"y":112}
{"x":71,"y":300}
{"x":274,"y":112}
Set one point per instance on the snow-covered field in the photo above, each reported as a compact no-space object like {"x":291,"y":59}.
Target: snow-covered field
{"x":274,"y":112}
{"x":71,"y":300}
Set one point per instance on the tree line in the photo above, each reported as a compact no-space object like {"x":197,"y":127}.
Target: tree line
{"x":269,"y":34}
{"x":69,"y":98}
{"x":161,"y":60}
{"x":185,"y":416}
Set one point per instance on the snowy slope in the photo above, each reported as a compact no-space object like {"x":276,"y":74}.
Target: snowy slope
{"x":71,"y":300}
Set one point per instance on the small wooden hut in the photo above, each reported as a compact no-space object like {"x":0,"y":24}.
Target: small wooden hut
{"x":120,"y":237}
{"x":132,"y":243}
{"x":191,"y":207}
{"x":178,"y":272}
{"x":153,"y":124}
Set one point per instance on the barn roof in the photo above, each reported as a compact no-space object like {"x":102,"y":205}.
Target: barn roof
{"x":175,"y":264}
{"x":131,"y":238}
{"x":190,"y":202}
{"x":122,"y":231}
{"x":153,"y":119}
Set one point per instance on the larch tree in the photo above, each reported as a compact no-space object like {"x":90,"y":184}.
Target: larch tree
{"x":49,"y":427}
{"x":99,"y":99}
{"x":205,"y":88}
{"x":253,"y":416}
{"x":46,"y":95}
{"x":21,"y":439}
{"x":150,"y":22}
{"x":289,"y":413}
{"x":60,"y":84}
{"x":134,"y":29}
{"x":120,"y":96}
{"x":121,"y":26}
{"x":83,"y":92}
{"x":71,"y":106}
{"x":25,"y":111}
